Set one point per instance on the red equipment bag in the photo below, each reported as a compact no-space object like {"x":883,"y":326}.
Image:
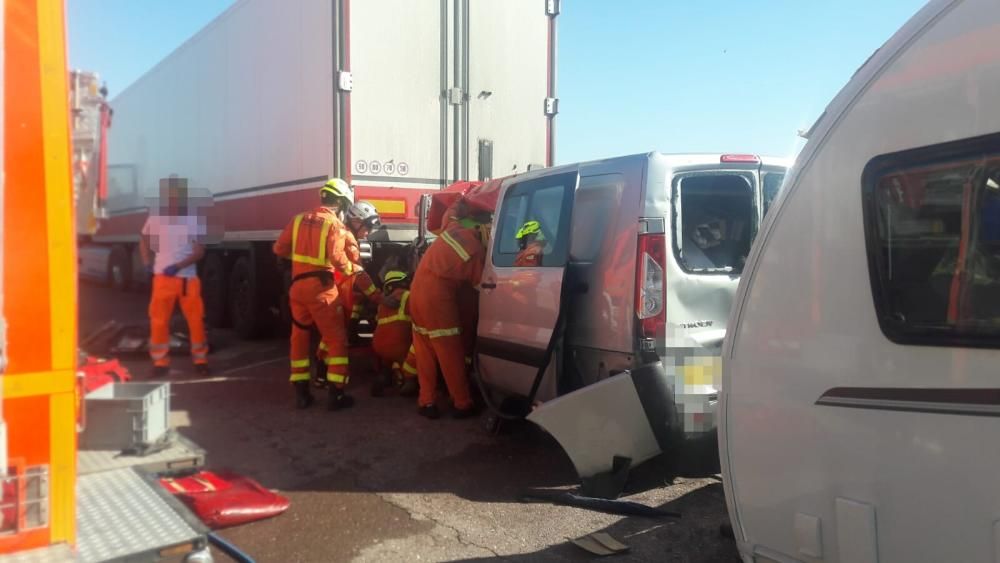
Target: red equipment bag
{"x":226,"y":499}
{"x":97,"y":372}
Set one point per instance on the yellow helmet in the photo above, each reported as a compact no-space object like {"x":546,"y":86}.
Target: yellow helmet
{"x":393,"y":276}
{"x":530,"y":228}
{"x":339,"y":188}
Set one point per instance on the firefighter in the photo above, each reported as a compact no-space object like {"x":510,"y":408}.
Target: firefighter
{"x":393,"y":338}
{"x":360,"y":219}
{"x":531,"y":242}
{"x":455,"y":259}
{"x":173,"y":235}
{"x":315,"y":241}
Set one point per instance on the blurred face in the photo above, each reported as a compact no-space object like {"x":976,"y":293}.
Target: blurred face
{"x":360,"y":230}
{"x":173,"y":201}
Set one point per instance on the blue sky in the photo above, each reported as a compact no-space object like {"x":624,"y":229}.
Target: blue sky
{"x":634,"y":76}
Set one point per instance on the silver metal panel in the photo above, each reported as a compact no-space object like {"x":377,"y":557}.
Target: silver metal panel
{"x":119,"y":514}
{"x":396,"y":109}
{"x":181,"y":454}
{"x":597,"y":423}
{"x":507,"y":83}
{"x":245,"y":102}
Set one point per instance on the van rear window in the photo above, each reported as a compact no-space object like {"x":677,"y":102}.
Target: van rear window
{"x":714,"y":221}
{"x":933,"y":232}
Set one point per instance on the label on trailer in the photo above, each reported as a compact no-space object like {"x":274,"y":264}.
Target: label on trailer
{"x":361,"y":166}
{"x":403,"y":168}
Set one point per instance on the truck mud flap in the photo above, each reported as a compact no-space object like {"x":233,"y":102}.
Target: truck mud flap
{"x":630,"y":415}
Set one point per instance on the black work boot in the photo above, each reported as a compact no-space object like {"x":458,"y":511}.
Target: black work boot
{"x":338,"y":400}
{"x":161,"y":371}
{"x":202,"y":369}
{"x":429,"y":411}
{"x":303,"y":398}
{"x":382,"y":381}
{"x":409,"y":388}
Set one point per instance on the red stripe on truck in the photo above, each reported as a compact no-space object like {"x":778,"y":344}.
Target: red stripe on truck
{"x":271,"y":212}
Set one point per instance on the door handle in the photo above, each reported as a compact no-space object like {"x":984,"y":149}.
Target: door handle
{"x":488,"y":285}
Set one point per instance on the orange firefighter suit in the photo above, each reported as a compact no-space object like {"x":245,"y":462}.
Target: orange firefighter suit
{"x":359,"y":286}
{"x":167,"y":292}
{"x":453,"y":261}
{"x":530,"y":255}
{"x":315,"y":241}
{"x":393,"y":338}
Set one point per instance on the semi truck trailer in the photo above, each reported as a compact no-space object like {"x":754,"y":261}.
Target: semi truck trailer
{"x":398,"y":97}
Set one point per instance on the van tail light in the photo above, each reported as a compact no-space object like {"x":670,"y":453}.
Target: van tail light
{"x":744,"y":158}
{"x":650,"y":285}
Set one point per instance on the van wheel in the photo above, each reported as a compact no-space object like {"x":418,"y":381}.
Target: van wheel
{"x":119,"y":269}
{"x":213,"y":283}
{"x":244,"y":299}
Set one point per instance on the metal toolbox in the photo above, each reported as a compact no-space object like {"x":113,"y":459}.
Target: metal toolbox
{"x":121,"y":416}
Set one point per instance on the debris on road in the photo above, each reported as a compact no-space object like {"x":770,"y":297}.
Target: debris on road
{"x":609,"y":506}
{"x":600,"y":543}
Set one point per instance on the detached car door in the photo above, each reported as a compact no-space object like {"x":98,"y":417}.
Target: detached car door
{"x":519,"y":304}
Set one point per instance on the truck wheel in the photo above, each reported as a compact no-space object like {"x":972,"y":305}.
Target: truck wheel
{"x":119,"y":269}
{"x":213,"y":284}
{"x":244,"y":299}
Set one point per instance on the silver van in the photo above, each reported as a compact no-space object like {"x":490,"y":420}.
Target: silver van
{"x":631,"y":262}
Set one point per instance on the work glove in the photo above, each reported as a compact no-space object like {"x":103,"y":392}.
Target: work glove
{"x":391,"y":301}
{"x":171,"y":270}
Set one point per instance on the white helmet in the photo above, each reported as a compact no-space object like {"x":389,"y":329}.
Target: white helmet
{"x":365,"y":213}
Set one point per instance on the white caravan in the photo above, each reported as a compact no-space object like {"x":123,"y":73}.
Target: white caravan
{"x":861,"y":383}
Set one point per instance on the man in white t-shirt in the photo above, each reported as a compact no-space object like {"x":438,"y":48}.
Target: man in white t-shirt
{"x":174,"y":236}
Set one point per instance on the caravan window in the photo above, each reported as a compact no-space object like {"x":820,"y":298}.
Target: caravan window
{"x":540,"y":207}
{"x":714,"y":221}
{"x":933,"y":232}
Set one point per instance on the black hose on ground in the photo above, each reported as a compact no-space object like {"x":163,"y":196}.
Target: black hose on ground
{"x":229,"y":549}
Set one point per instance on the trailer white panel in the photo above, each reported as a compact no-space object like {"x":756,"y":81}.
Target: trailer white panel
{"x":244,"y":103}
{"x":397,"y":109}
{"x":508,"y":45}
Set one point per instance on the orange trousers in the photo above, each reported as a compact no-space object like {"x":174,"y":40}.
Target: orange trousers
{"x":437,"y":339}
{"x":167,"y":291}
{"x":313,"y":303}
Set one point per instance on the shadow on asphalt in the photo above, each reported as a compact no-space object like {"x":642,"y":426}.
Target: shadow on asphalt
{"x":242,"y":415}
{"x":696,"y":539}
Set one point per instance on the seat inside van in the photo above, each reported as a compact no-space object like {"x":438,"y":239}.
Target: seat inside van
{"x":715,"y":221}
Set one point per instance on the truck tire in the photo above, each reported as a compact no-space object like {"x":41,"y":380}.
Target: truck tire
{"x":244,"y":299}
{"x":213,"y":289}
{"x":119,"y":269}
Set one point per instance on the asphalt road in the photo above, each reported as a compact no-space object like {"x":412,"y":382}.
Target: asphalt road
{"x":380,"y":483}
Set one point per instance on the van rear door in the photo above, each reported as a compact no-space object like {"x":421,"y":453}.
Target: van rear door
{"x":715,"y":218}
{"x":519,"y":304}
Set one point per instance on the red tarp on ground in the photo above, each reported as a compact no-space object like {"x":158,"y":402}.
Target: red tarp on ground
{"x":97,"y":372}
{"x":226,"y":499}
